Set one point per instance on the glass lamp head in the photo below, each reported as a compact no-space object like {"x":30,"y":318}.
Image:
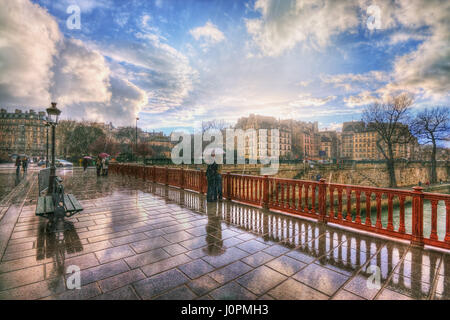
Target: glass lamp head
{"x":53,"y":114}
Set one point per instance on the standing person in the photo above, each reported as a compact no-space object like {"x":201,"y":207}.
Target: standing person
{"x":211,"y":176}
{"x":85,"y":164}
{"x":18,"y":165}
{"x":105,"y":167}
{"x":25,"y":164}
{"x":98,"y":165}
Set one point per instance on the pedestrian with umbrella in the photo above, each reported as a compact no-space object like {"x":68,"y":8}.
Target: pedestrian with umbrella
{"x":214,"y":179}
{"x":85,"y":162}
{"x":18,"y":165}
{"x":104,"y":163}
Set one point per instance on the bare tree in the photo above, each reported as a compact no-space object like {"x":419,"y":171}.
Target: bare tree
{"x":144,"y":150}
{"x":432,"y":126}
{"x":389,"y":120}
{"x":64,"y":131}
{"x":103,"y":143}
{"x":213,"y":125}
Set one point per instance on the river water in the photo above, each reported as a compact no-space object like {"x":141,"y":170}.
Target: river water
{"x":441,"y":214}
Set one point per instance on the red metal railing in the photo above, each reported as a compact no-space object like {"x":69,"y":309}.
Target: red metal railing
{"x":248,"y":189}
{"x":390,"y":212}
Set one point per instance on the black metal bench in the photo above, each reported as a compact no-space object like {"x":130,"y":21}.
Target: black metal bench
{"x":57,"y":206}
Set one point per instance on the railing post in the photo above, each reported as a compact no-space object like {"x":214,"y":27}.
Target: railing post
{"x":417,"y":217}
{"x":182,"y":178}
{"x":153,"y":174}
{"x":447,"y":232}
{"x":265,"y":200}
{"x":203,"y":183}
{"x":322,"y":201}
{"x":227,"y":194}
{"x":166,"y":176}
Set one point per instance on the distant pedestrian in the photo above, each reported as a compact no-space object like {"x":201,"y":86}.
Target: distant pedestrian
{"x":98,"y":165}
{"x":25,"y":164}
{"x":105,"y":163}
{"x":18,"y":165}
{"x":85,"y":164}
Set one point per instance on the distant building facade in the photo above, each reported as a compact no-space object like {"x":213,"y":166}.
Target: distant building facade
{"x":159,"y":142}
{"x":359,"y":142}
{"x":264,"y":143}
{"x":22,"y":133}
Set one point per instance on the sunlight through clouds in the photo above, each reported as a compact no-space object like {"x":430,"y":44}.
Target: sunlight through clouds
{"x":176,"y":64}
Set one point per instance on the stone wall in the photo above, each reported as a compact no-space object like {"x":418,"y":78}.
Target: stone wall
{"x":375,"y":175}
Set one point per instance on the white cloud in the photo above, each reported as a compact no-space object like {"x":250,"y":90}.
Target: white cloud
{"x":307,"y":100}
{"x":209,"y":34}
{"x":362,"y":99}
{"x":334,"y":126}
{"x":158,"y":68}
{"x":425,"y":71}
{"x":356,"y":81}
{"x":127,"y":100}
{"x":80,"y":74}
{"x":26,"y":52}
{"x":122,"y":18}
{"x":402,"y":37}
{"x":284,"y":24}
{"x":86,"y":6}
{"x":304,"y":83}
{"x":38,"y":65}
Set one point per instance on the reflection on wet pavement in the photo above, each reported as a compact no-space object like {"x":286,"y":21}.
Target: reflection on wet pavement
{"x":139,"y":240}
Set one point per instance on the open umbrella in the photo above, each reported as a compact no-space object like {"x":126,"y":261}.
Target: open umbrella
{"x":87,"y":157}
{"x":103,"y":155}
{"x":214,"y":151}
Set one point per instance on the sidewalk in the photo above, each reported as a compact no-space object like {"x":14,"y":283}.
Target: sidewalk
{"x":138,"y":240}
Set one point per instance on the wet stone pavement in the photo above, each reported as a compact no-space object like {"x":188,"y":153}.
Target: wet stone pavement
{"x":139,"y":240}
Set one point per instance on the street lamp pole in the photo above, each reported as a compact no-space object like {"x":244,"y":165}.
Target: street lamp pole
{"x":46,"y":158}
{"x":53,"y":115}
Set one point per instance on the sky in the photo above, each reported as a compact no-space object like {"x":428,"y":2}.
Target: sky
{"x":176,"y":63}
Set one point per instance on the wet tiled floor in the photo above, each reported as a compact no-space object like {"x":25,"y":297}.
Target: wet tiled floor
{"x":138,"y":240}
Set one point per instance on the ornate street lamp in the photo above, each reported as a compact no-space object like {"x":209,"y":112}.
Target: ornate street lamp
{"x":52,"y":119}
